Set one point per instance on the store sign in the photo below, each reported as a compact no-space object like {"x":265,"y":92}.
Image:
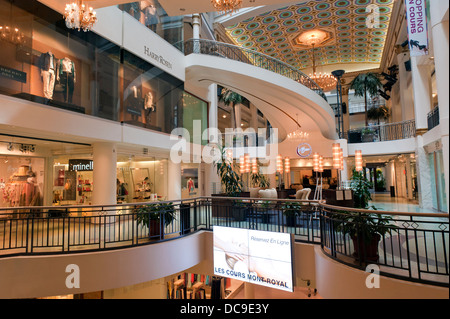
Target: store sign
{"x":158,"y":58}
{"x":81,"y":165}
{"x":258,"y":257}
{"x":416,"y":13}
{"x":304,"y":150}
{"x":12,"y":74}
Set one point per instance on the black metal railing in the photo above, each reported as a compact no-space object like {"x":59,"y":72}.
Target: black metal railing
{"x":383,"y":133}
{"x":412,"y":246}
{"x":433,"y":118}
{"x":236,"y":53}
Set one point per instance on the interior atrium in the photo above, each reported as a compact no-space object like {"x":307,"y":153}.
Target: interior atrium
{"x":224,"y":149}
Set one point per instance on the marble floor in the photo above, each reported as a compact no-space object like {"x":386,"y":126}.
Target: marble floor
{"x":384,"y":202}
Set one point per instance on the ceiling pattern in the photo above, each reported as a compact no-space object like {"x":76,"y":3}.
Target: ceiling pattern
{"x":272,"y":33}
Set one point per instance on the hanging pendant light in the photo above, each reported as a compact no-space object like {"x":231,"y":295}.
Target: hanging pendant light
{"x":79,"y":16}
{"x":226,"y":6}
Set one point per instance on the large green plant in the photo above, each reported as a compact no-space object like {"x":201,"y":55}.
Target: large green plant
{"x":364,"y":226}
{"x":228,"y":177}
{"x":229,"y":97}
{"x":260,"y":180}
{"x":378,"y":113}
{"x":364,"y":84}
{"x":361,"y":189}
{"x":156,"y":211}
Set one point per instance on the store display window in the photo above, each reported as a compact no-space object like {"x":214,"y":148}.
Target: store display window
{"x":151,"y":14}
{"x":152,"y":98}
{"x":45,"y":62}
{"x":141,"y":179}
{"x":21,"y":181}
{"x":73,"y":181}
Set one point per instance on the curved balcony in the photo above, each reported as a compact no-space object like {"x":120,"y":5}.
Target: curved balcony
{"x":383,"y":133}
{"x":236,"y":53}
{"x":413,"y":246}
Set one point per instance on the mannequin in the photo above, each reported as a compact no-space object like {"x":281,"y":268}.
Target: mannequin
{"x":48,"y":65}
{"x":190,"y":185}
{"x":67,"y":77}
{"x":149,"y":107}
{"x":31,"y":192}
{"x":151,"y":18}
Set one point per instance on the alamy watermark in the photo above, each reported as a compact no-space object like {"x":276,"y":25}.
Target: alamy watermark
{"x":373,"y":280}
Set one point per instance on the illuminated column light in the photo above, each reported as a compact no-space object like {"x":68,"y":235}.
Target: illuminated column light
{"x":287,"y":165}
{"x":358,"y":161}
{"x":279,"y":164}
{"x":316,"y":157}
{"x":341,"y":159}
{"x":241,"y":164}
{"x":336,"y":155}
{"x":255,"y":166}
{"x":247,"y":163}
{"x":320,"y":164}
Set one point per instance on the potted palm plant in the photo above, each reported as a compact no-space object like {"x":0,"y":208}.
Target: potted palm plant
{"x":232,"y":184}
{"x":366,"y":231}
{"x":156,"y":216}
{"x":228,"y":97}
{"x":291,"y":210}
{"x":364,"y":84}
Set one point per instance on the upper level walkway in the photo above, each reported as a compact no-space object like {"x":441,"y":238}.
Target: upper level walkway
{"x":281,"y":92}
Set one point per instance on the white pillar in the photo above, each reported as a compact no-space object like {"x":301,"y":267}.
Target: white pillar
{"x":423,"y":176}
{"x":196,"y":31}
{"x":105,"y":174}
{"x":174,"y":177}
{"x":421,"y":75}
{"x":212,"y":179}
{"x":405,"y":91}
{"x":440,"y":35}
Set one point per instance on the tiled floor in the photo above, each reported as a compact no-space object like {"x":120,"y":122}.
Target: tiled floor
{"x":384,"y":202}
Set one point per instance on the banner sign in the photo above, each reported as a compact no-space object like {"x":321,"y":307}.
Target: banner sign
{"x":258,"y":257}
{"x":416,"y":12}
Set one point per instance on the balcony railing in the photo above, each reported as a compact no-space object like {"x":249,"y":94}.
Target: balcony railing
{"x":252,"y":57}
{"x":433,"y":118}
{"x":412,"y":247}
{"x":383,"y":133}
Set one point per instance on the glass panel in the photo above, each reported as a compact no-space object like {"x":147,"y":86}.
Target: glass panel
{"x":433,"y":181}
{"x":441,"y":182}
{"x":151,"y":14}
{"x":195,"y":109}
{"x":76,"y":71}
{"x":152,"y":98}
{"x":21,"y":181}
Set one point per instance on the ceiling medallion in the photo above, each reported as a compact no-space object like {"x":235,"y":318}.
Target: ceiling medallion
{"x":226,"y":6}
{"x":79,"y":16}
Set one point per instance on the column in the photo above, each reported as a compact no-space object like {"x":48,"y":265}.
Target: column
{"x":421,"y":76}
{"x":196,"y":20}
{"x":405,"y":92}
{"x":440,"y":34}
{"x":423,"y":175}
{"x":174,"y":177}
{"x":212,"y":179}
{"x":105,"y":174}
{"x":249,"y":291}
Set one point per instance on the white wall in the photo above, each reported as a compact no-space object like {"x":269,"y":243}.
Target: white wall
{"x":27,"y":277}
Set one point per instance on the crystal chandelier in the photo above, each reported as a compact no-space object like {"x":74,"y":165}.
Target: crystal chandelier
{"x":326,"y":81}
{"x":80,"y":17}
{"x":11,"y":33}
{"x":298,"y":135}
{"x":226,"y":6}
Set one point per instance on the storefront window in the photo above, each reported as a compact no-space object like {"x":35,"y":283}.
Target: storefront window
{"x":195,"y":110}
{"x":53,"y":65}
{"x":151,"y":14}
{"x":141,"y":180}
{"x":21,"y":181}
{"x":152,"y":98}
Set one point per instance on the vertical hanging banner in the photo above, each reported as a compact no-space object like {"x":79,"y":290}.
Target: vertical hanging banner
{"x":416,"y":12}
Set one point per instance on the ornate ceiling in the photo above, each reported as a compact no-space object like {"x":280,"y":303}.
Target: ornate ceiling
{"x":348,"y":39}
